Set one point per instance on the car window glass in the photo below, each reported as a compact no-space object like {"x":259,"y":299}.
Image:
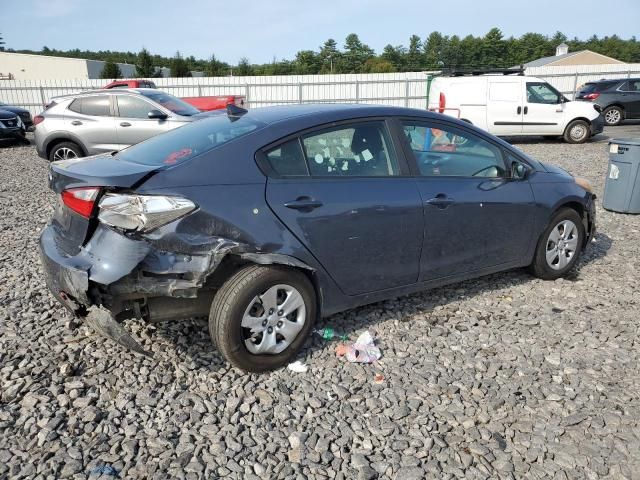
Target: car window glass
{"x":356,"y":150}
{"x":122,"y":85}
{"x":287,"y":159}
{"x":634,"y":85}
{"x":541,"y":93}
{"x":97,"y":106}
{"x":132,"y":107}
{"x":448,"y":151}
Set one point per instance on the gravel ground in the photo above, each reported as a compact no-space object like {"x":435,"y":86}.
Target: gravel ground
{"x":504,"y":377}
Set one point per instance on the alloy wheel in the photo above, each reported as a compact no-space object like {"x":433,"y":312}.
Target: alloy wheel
{"x":612,"y":116}
{"x":64,"y":153}
{"x":273,"y":320}
{"x":562,"y":244}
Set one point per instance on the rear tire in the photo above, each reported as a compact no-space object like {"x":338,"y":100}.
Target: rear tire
{"x":577,"y":131}
{"x":234,"y":305}
{"x":559,"y":246}
{"x":65,"y":151}
{"x":613,"y":116}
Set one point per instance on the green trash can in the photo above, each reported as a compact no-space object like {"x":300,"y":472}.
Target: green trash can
{"x":622,"y":186}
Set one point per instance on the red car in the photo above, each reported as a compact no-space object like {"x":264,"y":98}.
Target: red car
{"x":201,"y":103}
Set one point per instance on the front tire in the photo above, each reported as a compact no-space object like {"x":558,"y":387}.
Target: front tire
{"x":559,"y":246}
{"x":577,"y":131}
{"x":261,"y":317}
{"x":613,"y":116}
{"x":65,"y":151}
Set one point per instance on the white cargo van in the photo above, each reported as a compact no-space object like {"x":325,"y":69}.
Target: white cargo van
{"x":514,"y":104}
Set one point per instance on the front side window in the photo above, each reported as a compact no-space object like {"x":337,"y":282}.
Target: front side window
{"x":448,"y":151}
{"x":540,"y":92}
{"x":97,"y":106}
{"x":132,"y":107}
{"x":287,"y":159}
{"x":362,"y":149}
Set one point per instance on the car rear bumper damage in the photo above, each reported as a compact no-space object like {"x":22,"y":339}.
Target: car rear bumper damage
{"x":597,"y":125}
{"x":114,"y":276}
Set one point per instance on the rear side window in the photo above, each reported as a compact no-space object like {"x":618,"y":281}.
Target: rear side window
{"x":97,"y":106}
{"x":597,"y":87}
{"x":631,"y":86}
{"x":195,"y":138}
{"x":287,"y":159}
{"x":362,"y":150}
{"x":448,"y":151}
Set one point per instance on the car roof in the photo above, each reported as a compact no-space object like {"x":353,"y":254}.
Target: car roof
{"x":330,"y":112}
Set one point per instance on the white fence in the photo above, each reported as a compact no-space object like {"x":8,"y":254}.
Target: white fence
{"x":403,"y":89}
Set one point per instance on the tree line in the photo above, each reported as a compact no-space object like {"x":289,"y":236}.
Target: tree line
{"x":435,"y":52}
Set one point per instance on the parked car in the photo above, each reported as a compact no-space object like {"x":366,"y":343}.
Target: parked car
{"x":206,"y":104}
{"x":619,"y":99}
{"x":266,"y":220}
{"x":106,"y":121}
{"x":11,"y":127}
{"x":24,"y":114}
{"x":512,"y":104}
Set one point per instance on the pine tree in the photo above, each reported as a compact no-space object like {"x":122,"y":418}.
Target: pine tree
{"x":215,"y":68}
{"x":329,"y":57}
{"x":179,"y":67}
{"x":2,"y":43}
{"x":111,"y":71}
{"x":244,"y":68}
{"x":144,"y":67}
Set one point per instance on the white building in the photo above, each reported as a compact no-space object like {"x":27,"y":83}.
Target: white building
{"x":23,"y":66}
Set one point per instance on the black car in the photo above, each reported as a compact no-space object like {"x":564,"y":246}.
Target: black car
{"x":11,"y":126}
{"x":24,"y":114}
{"x":267,"y":219}
{"x":619,"y":99}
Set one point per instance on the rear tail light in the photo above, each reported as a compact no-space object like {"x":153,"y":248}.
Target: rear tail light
{"x":442,"y":104}
{"x":142,"y":213}
{"x":591,"y":96}
{"x":81,"y":200}
{"x":38,"y":119}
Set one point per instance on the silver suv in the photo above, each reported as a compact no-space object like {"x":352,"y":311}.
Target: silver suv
{"x":107,"y":120}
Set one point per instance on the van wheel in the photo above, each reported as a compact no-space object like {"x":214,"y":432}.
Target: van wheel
{"x":613,"y":116}
{"x":65,"y":151}
{"x":577,"y":132}
{"x":559,"y":246}
{"x":261,"y":317}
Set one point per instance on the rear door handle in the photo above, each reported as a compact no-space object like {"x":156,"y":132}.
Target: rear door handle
{"x":526,"y":110}
{"x":76,"y":122}
{"x":441,"y":201}
{"x":125,"y":124}
{"x":519,"y":110}
{"x":303,"y":204}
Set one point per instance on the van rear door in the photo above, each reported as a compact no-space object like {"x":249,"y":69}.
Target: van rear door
{"x":504,"y":107}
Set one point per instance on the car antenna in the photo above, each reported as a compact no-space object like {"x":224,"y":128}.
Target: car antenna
{"x":234,"y":112}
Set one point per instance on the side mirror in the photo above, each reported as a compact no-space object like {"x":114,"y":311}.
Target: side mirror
{"x":519,"y":171}
{"x":153,"y":114}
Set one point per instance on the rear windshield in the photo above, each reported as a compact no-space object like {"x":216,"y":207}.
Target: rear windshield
{"x":597,"y":87}
{"x":196,"y":138}
{"x":177,"y":106}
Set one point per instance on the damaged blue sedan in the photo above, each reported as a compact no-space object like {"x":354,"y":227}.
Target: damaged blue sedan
{"x":265,"y":220}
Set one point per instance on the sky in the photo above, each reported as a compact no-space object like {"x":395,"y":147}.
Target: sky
{"x":262,"y":30}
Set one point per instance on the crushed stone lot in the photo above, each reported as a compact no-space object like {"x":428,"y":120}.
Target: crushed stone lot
{"x":507,"y":376}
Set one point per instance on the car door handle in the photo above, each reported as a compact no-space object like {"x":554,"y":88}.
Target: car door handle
{"x":519,"y":111}
{"x":125,"y":124}
{"x":526,"y":110}
{"x":76,"y":122}
{"x":303,"y":204}
{"x":441,"y":201}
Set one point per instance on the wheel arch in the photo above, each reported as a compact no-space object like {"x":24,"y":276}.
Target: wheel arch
{"x":56,"y":140}
{"x":581,"y":210}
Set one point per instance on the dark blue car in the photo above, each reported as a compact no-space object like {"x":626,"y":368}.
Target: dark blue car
{"x":265,"y":220}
